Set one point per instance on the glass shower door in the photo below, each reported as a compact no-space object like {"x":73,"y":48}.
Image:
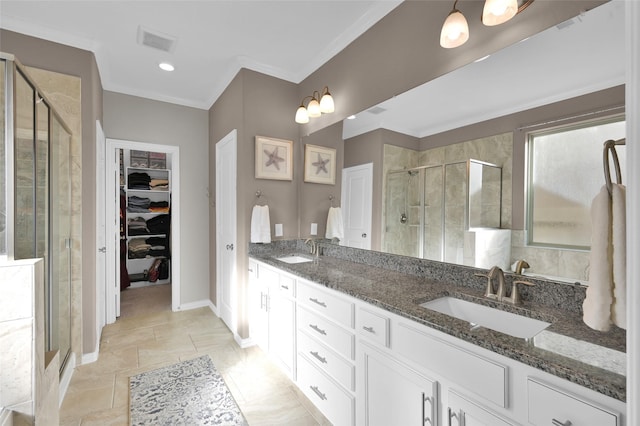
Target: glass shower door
{"x":60,"y":292}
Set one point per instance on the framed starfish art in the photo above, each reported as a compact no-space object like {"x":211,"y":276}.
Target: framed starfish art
{"x":274,"y":158}
{"x":319,"y":164}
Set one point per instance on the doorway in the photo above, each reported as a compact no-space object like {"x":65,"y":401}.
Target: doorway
{"x":167,"y":175}
{"x":357,"y":192}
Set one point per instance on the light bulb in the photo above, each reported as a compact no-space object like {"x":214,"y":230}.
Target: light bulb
{"x":455,"y":30}
{"x":496,"y":12}
{"x":313,"y":109}
{"x":326,"y":103}
{"x":302,"y":116}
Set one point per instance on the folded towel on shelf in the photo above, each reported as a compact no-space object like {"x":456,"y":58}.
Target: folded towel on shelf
{"x":260,"y":225}
{"x":605,"y":302}
{"x":335,"y":226}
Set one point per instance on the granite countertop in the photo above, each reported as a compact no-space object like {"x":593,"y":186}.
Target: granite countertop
{"x":567,"y":348}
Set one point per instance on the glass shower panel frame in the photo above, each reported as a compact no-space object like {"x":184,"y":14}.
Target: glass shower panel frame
{"x":35,"y":192}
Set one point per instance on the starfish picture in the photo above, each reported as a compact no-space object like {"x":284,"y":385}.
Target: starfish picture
{"x":321,"y":164}
{"x":273,"y":158}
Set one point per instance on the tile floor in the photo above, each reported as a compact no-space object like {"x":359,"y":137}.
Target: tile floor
{"x":148,"y":336}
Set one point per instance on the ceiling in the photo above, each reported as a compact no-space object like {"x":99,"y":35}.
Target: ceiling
{"x":580,"y":56}
{"x":214,"y":39}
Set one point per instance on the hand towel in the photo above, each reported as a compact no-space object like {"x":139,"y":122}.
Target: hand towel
{"x":619,"y":242}
{"x":335,"y":226}
{"x":260,"y":225}
{"x":597,"y":305}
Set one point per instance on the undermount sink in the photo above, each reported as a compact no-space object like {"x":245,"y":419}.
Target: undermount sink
{"x":485,"y":316}
{"x":294,"y":258}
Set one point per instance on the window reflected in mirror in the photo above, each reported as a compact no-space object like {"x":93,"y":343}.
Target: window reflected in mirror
{"x":565,"y":174}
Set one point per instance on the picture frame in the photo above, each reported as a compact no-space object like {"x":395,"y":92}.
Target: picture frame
{"x":319,"y":164}
{"x":274,"y":158}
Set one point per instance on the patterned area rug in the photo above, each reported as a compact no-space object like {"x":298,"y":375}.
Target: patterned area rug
{"x":188,"y":393}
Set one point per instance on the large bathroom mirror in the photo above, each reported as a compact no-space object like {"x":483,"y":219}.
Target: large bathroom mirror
{"x":579,"y":57}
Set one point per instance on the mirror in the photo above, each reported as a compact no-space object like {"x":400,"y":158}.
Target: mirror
{"x":576,"y":58}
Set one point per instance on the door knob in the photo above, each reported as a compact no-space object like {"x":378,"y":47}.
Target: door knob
{"x":364,"y":235}
{"x":229,"y":246}
{"x":102,"y":249}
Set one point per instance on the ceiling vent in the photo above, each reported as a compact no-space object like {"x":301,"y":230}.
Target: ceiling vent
{"x":156,"y":40}
{"x":376,"y":110}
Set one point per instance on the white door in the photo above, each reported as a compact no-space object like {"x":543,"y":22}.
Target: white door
{"x":226,"y":164}
{"x":357,"y":187}
{"x":112,"y":232}
{"x":101,"y":231}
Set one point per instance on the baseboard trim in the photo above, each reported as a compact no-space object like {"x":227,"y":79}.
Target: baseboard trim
{"x":243,"y":343}
{"x":194,"y":305}
{"x":214,"y":309}
{"x":65,"y":377}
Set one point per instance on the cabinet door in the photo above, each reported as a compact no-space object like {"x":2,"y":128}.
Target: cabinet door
{"x":394,"y":394}
{"x":282,"y":330}
{"x":259,"y":315}
{"x":463,"y":412}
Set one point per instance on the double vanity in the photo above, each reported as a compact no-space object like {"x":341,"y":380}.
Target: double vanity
{"x":373,"y":338}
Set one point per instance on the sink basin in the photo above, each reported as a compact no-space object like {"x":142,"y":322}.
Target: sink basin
{"x":485,"y":316}
{"x":294,"y":258}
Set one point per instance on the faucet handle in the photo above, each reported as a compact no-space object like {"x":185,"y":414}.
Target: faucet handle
{"x":515,"y":293}
{"x":488,"y":292}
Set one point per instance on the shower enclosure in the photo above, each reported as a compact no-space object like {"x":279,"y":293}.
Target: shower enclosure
{"x":430,"y":210}
{"x":35,"y":194}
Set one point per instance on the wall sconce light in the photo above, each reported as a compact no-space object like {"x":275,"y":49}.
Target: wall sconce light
{"x":318,"y":105}
{"x":455,"y":30}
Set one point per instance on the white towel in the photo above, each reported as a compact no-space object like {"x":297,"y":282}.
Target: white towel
{"x":619,"y":242}
{"x":260,"y":225}
{"x":335,"y":226}
{"x":597,"y":305}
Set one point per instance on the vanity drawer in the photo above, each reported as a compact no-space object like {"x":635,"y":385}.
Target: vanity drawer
{"x":327,"y":360}
{"x":331,"y":305}
{"x":485,"y":378}
{"x":547,"y":403}
{"x":336,"y":404}
{"x":326,"y":332}
{"x":287,"y":285}
{"x":267,"y":275}
{"x":373,"y":327}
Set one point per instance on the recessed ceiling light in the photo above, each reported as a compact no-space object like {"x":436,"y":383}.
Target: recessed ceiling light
{"x":351,"y":117}
{"x":166,"y":66}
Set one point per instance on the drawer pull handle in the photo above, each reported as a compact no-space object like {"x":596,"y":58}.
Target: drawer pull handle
{"x":559,"y":423}
{"x":318,"y":357}
{"x":286,"y":287}
{"x":369,"y":329}
{"x":318,"y":329}
{"x":317,"y":392}
{"x":317,"y":302}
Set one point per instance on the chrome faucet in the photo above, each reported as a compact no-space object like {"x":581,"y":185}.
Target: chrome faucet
{"x":520,"y":265}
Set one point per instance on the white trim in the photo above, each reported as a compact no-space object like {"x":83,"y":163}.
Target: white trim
{"x":65,"y":377}
{"x":243,"y":343}
{"x":101,"y":279}
{"x":174,"y":152}
{"x":632,"y":96}
{"x":194,"y":305}
{"x":214,"y":309}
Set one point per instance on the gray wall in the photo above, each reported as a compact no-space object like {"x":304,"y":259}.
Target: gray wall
{"x":255,"y":104}
{"x":143,"y":120}
{"x":402,"y":51}
{"x":46,"y":55}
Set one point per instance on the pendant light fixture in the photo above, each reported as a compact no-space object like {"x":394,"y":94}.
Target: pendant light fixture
{"x":455,"y":30}
{"x":318,"y":105}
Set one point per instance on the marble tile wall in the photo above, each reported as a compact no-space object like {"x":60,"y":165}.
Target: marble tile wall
{"x":28,"y":383}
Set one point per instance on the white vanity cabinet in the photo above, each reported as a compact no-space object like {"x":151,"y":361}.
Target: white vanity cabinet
{"x":462,"y":411}
{"x":326,"y":351}
{"x":361,"y":364}
{"x":392,"y":393}
{"x":272,"y":313}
